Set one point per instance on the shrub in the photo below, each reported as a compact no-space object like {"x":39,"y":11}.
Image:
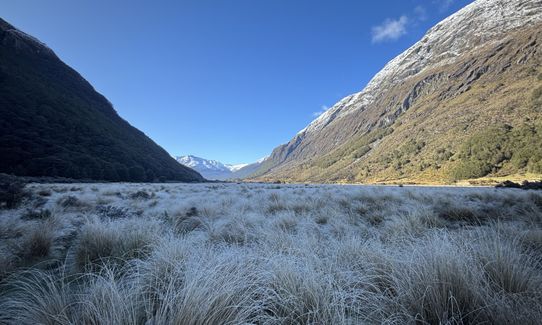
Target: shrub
{"x":535,"y":185}
{"x":112,"y":212}
{"x":44,"y":193}
{"x":12,"y":191}
{"x":37,"y":215}
{"x":526,"y":185}
{"x":70,"y":201}
{"x":508,"y":184}
{"x":141,"y":195}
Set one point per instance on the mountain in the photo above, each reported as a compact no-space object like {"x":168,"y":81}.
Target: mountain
{"x":215,"y":170}
{"x":210,"y":169}
{"x":249,"y":169}
{"x":53,"y":122}
{"x":464,"y":102}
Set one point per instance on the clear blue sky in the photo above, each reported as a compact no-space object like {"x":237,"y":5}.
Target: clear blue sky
{"x":226,"y":80}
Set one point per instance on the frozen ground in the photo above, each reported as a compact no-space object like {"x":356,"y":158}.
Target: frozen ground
{"x":271,"y":254}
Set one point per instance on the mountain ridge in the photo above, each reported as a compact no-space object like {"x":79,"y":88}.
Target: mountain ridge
{"x":373,"y":111}
{"x":216,"y":170}
{"x":54,"y":123}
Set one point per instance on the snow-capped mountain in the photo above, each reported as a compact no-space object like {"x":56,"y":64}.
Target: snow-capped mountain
{"x":472,"y":71}
{"x":471,"y":27}
{"x":235,"y":168}
{"x":215,"y":170}
{"x":201,"y":163}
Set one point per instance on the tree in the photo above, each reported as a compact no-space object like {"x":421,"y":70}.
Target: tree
{"x":137,"y":174}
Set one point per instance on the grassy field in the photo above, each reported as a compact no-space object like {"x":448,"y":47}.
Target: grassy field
{"x":271,"y":254}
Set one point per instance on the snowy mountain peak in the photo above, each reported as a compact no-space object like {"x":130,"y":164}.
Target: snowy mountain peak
{"x":235,"y":168}
{"x":215,"y":170}
{"x":466,"y":30}
{"x":201,"y":163}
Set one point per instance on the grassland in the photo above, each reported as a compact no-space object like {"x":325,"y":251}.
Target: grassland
{"x":270,"y":254}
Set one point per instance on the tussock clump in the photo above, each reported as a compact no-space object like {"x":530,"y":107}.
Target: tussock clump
{"x":163,"y":271}
{"x":234,"y":232}
{"x":507,"y":266}
{"x":36,"y":244}
{"x":374,"y":219}
{"x":301,"y":208}
{"x":71,"y":202}
{"x":410,"y":224}
{"x":216,"y":288}
{"x":108,"y":299}
{"x":440,"y":285}
{"x":113,"y":242}
{"x":286,"y":223}
{"x":189,"y":221}
{"x":276,"y":204}
{"x":321,"y":219}
{"x":301,"y":295}
{"x":532,"y":239}
{"x":536,"y":198}
{"x":8,"y":263}
{"x":141,"y":195}
{"x":61,"y":189}
{"x":461,"y":215}
{"x":36,"y":297}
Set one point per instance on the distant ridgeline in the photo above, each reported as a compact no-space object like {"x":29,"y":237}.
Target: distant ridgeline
{"x":53,"y":123}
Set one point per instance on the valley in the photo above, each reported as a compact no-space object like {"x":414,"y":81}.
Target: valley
{"x":281,"y":254}
{"x":382,"y":210}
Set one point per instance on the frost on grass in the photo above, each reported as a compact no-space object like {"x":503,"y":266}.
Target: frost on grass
{"x":267,"y":254}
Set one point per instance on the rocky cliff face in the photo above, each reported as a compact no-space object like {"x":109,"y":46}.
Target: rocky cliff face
{"x":487,"y":43}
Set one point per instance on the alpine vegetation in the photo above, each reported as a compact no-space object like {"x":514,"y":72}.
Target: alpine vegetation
{"x":270,"y":254}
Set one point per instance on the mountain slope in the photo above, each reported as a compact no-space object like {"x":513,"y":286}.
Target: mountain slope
{"x":53,"y":123}
{"x":429,"y":114}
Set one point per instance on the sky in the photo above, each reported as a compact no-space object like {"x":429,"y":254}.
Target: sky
{"x":226,"y":80}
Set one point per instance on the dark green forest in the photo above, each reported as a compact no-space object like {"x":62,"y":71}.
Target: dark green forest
{"x":53,"y":123}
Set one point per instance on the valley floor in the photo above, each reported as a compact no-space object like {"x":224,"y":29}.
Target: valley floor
{"x":270,"y":254}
